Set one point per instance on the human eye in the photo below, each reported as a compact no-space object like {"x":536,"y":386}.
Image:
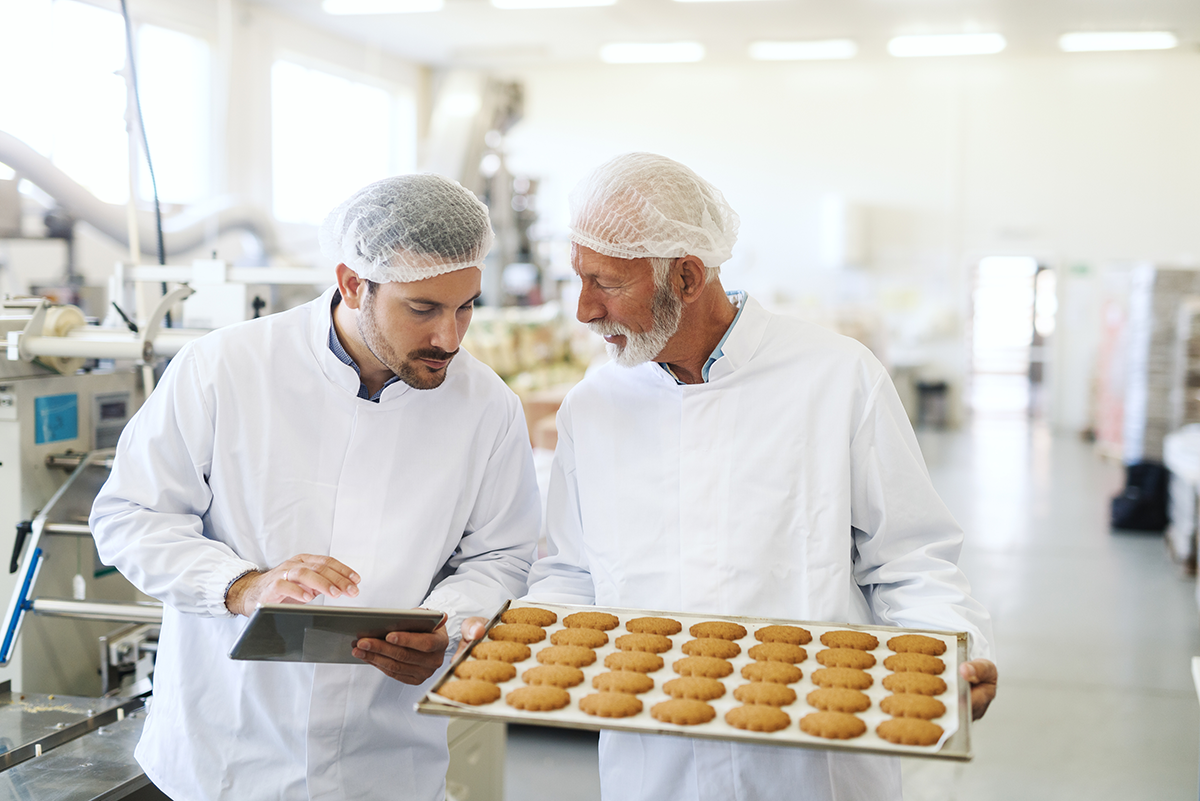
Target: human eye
{"x":421,"y":311}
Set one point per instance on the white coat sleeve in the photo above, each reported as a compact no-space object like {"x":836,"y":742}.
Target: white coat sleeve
{"x":492,"y":560}
{"x":563,"y":575}
{"x":906,"y":542}
{"x":147,"y":519}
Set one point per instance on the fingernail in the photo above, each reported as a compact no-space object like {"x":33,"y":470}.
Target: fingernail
{"x":355,"y":578}
{"x":353,"y":591}
{"x":393,"y":639}
{"x":334,"y":592}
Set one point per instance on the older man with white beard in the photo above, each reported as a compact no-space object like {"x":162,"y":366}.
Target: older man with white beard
{"x":734,"y":462}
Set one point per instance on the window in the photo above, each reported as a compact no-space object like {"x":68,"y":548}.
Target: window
{"x":330,"y":136}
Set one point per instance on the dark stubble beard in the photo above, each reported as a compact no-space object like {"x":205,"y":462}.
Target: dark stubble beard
{"x":407,"y":369}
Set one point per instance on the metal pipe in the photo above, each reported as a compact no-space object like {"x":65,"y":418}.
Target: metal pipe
{"x":123,"y":612}
{"x":78,"y":529}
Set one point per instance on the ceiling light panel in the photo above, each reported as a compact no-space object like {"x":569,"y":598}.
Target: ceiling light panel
{"x":522,"y":4}
{"x":646,"y":53}
{"x":958,"y":44}
{"x":380,"y":6}
{"x":1099,"y":41}
{"x":823,"y":50}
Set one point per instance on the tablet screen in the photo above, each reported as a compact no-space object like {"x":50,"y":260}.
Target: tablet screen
{"x":298,"y":633}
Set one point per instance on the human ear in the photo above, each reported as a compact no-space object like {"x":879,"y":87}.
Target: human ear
{"x":692,"y":275}
{"x":352,"y":287}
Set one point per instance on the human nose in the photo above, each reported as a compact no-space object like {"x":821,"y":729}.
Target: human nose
{"x":447,"y":335}
{"x":588,"y":309}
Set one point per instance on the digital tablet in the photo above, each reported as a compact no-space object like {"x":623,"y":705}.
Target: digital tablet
{"x":300,"y":633}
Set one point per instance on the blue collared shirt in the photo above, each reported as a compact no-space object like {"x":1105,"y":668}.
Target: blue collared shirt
{"x":335,"y":345}
{"x":738,"y":298}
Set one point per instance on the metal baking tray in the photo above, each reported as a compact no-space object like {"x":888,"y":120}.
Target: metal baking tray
{"x":955,"y":745}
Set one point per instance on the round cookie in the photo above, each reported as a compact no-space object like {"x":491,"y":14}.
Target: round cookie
{"x":917,"y":644}
{"x":492,"y":670}
{"x":553,"y":675}
{"x":920,"y":683}
{"x":764,"y":692}
{"x":640,"y":661}
{"x":712,"y":646}
{"x":845,"y":657}
{"x":697,"y":688}
{"x":683,"y":711}
{"x":756,"y":717}
{"x":503,"y":651}
{"x":649,"y":643}
{"x":914,"y":663}
{"x":909,"y":731}
{"x":591,"y":620}
{"x":518,"y":632}
{"x":610,"y":705}
{"x":623,"y":681}
{"x":777,"y":672}
{"x":470,"y":691}
{"x":850,"y":639}
{"x":842,"y":677}
{"x":654,"y":625}
{"x":789,"y":634}
{"x":530,"y":615}
{"x":912,"y":705}
{"x":573,"y":655}
{"x":588,"y":638}
{"x":838,"y":699}
{"x":721,"y":629}
{"x":538,"y":699}
{"x":706,"y":666}
{"x":778,"y":652}
{"x":832,"y":725}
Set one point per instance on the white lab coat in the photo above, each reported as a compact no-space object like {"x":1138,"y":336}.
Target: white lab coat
{"x":255,"y":448}
{"x":788,"y":486}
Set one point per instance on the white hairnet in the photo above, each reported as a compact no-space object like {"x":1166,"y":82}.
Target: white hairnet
{"x":641,"y":205}
{"x":408,"y":228}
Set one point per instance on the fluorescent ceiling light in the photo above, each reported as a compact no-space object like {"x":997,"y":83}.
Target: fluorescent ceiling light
{"x":517,"y":4}
{"x":1116,"y":40}
{"x":958,"y":44}
{"x":380,"y":6}
{"x":708,"y":1}
{"x":803,"y":51}
{"x":642,"y":53}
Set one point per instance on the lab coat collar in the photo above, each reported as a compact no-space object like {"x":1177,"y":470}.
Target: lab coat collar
{"x":742,"y":343}
{"x":335,"y":370}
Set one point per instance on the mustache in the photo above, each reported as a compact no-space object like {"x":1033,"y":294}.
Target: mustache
{"x":436,"y":354}
{"x":607,"y":328}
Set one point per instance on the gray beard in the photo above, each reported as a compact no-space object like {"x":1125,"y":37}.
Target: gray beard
{"x":666,"y":309}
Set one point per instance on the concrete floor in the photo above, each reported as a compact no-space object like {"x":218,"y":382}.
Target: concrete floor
{"x":1094,"y":630}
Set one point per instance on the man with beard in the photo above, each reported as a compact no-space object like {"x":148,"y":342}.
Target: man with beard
{"x":345,"y":453}
{"x":734,"y":462}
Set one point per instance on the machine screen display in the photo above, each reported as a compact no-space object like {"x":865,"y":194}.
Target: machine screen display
{"x":112,"y":410}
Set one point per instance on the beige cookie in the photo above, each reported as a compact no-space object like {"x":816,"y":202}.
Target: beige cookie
{"x":832,"y":725}
{"x":756,"y":717}
{"x":623,"y":681}
{"x":530,"y":615}
{"x":706,"y":666}
{"x":503,"y":651}
{"x":909,"y":731}
{"x":518,"y":632}
{"x":611,"y":705}
{"x":850,"y":639}
{"x":712,"y":646}
{"x":912,"y":705}
{"x":845,"y":657}
{"x":683,"y":711}
{"x":553,"y":675}
{"x":765,"y":692}
{"x":789,"y":634}
{"x":914,"y":663}
{"x":721,"y":629}
{"x":778,"y":652}
{"x":591,"y":620}
{"x":777,"y":672}
{"x":470,"y":691}
{"x":842,"y":677}
{"x":697,"y":688}
{"x":639,"y":661}
{"x":654,"y":625}
{"x":917,"y":644}
{"x":838,"y":699}
{"x":538,"y":699}
{"x":649,"y":643}
{"x":588,"y":638}
{"x":921,"y":683}
{"x":573,"y":655}
{"x":492,"y":670}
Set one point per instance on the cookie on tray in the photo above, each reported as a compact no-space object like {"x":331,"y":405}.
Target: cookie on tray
{"x":721,"y":629}
{"x":697,"y":688}
{"x":920,"y":683}
{"x":845,"y":657}
{"x":764,"y":692}
{"x":909,"y":731}
{"x":530,"y":615}
{"x":712,"y":646}
{"x":543,"y":698}
{"x":756,"y":717}
{"x":588,"y":638}
{"x":832,"y":725}
{"x":917,"y":644}
{"x":778,"y":672}
{"x":503,"y":651}
{"x":573,"y":655}
{"x":914,"y":663}
{"x":850,"y":678}
{"x":654,"y":625}
{"x":850,"y":639}
{"x":492,"y":670}
{"x":639,"y":661}
{"x":518,"y":632}
{"x":778,"y":652}
{"x":912,"y":705}
{"x":610,"y":705}
{"x":553,"y":675}
{"x":470,"y":691}
{"x":591,"y":620}
{"x":707,"y":666}
{"x":683,"y":711}
{"x":649,"y":643}
{"x":838,"y":699}
{"x":623,"y":681}
{"x":789,"y":634}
